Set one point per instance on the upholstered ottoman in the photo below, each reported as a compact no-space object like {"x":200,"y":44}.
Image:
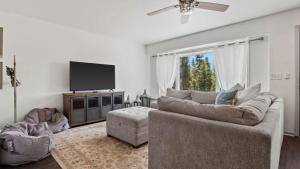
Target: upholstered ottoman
{"x":129,"y":125}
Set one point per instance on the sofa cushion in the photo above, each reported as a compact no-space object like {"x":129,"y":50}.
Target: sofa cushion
{"x":256,"y":108}
{"x":180,"y":94}
{"x":247,"y":94}
{"x":226,"y":113}
{"x":226,"y":97}
{"x":204,"y":97}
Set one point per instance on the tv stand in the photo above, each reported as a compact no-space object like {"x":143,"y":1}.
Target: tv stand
{"x":88,"y":107}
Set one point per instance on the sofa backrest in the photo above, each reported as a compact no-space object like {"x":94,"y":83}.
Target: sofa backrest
{"x":202,"y":97}
{"x":179,"y":94}
{"x":249,"y":113}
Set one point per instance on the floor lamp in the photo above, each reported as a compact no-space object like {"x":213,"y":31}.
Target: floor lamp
{"x":11,"y":72}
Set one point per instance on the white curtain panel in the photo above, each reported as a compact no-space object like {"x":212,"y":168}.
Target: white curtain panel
{"x":166,"y":70}
{"x":232,"y":64}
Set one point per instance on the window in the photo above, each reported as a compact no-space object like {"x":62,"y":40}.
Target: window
{"x":197,"y":72}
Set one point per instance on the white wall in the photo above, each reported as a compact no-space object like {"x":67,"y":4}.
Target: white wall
{"x":297,"y":82}
{"x":280,"y":29}
{"x":43,"y":53}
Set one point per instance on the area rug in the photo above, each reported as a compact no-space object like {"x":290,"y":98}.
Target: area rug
{"x":88,"y":147}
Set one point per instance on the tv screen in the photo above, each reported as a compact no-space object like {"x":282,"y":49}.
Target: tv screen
{"x":90,"y":76}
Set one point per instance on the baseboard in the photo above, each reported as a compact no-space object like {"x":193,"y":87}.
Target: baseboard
{"x":290,"y":134}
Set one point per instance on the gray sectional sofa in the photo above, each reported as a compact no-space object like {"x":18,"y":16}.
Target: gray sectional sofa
{"x":185,"y":141}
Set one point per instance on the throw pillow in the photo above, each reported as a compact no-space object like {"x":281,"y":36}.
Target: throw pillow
{"x":256,"y":108}
{"x":225,"y":97}
{"x":180,"y":94}
{"x":248,"y":94}
{"x":237,"y":87}
{"x":204,"y":97}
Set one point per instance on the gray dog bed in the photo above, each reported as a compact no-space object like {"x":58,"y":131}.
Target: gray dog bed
{"x":57,"y":122}
{"x":23,"y":142}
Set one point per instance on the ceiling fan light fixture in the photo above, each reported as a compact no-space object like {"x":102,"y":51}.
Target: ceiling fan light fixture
{"x":187,"y":12}
{"x":186,"y":8}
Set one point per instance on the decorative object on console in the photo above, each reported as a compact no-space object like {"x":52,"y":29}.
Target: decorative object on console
{"x":145,"y":98}
{"x":12,"y":73}
{"x":137,"y":101}
{"x":127,"y":102}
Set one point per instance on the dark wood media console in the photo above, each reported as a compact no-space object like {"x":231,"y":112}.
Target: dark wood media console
{"x":88,"y":107}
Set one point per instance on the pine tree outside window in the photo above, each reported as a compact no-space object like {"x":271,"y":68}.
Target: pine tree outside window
{"x":197,"y":72}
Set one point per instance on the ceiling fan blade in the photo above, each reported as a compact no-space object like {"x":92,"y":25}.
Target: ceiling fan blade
{"x":185,"y":19}
{"x":162,"y":10}
{"x":212,"y":6}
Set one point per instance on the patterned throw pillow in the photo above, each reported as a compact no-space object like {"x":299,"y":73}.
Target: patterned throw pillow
{"x":225,"y":97}
{"x":256,"y":108}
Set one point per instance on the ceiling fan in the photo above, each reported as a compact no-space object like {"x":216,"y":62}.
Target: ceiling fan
{"x":186,"y":8}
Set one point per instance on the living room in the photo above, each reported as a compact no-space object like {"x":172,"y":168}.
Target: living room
{"x":205,"y":51}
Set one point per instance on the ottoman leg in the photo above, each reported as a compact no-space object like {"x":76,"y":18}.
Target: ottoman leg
{"x":138,"y":146}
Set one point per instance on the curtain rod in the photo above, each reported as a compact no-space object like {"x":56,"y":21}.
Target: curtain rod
{"x":209,"y":47}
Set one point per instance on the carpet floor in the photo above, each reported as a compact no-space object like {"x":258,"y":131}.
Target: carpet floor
{"x":88,"y":147}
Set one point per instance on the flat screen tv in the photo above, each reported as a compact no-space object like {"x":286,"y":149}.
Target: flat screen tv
{"x":91,"y":76}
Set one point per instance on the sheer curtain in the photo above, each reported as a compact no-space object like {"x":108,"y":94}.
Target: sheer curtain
{"x":166,"y":70}
{"x":232,"y":64}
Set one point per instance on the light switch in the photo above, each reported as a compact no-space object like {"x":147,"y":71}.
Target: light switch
{"x":287,"y":75}
{"x":276,"y":76}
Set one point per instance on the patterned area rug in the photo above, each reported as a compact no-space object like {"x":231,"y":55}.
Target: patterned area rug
{"x":88,"y":147}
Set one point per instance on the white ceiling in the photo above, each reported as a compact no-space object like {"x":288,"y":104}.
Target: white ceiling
{"x":128,"y":19}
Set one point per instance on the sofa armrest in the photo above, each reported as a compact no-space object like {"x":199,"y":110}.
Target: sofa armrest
{"x":182,"y":141}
